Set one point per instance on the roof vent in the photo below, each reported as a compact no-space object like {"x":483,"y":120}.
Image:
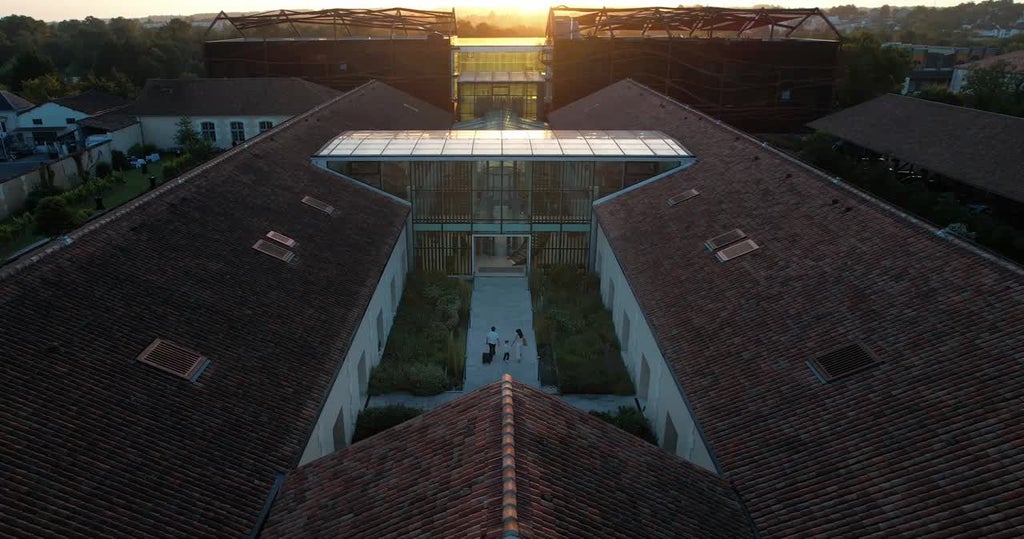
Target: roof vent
{"x":685,"y":195}
{"x":738,"y":249}
{"x":841,"y":362}
{"x":177,"y":360}
{"x":722,"y":240}
{"x":281,"y":238}
{"x":274,"y":250}
{"x":318,"y":204}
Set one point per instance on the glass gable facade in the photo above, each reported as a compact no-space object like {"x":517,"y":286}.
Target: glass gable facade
{"x":541,"y":184}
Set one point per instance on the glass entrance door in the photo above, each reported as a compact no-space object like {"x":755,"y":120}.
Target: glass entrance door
{"x":495,"y":255}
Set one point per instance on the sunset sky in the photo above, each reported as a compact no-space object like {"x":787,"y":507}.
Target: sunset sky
{"x":77,"y":9}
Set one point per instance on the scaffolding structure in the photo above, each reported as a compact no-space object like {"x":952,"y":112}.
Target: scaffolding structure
{"x":692,"y":22}
{"x":341,"y":48}
{"x":758,"y":69}
{"x":396,"y":22}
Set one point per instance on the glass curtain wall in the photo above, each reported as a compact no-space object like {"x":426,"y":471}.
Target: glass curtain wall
{"x":477,"y":98}
{"x":466,"y":61}
{"x":499,"y":191}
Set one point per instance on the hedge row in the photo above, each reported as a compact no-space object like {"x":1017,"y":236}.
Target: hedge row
{"x":571,"y":322}
{"x":425,"y":352}
{"x":632,"y":421}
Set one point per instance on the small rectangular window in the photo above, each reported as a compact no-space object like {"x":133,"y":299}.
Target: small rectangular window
{"x":69,"y":121}
{"x":237,"y":132}
{"x":671,"y":435}
{"x":208,"y":131}
{"x":265,"y":125}
{"x":37,"y":121}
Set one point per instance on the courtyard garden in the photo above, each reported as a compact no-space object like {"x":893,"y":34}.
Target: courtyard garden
{"x":426,"y":349}
{"x":576,"y":338}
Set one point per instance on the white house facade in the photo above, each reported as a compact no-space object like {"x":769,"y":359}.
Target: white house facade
{"x":222,"y":131}
{"x":660,"y":394}
{"x":348,"y":394}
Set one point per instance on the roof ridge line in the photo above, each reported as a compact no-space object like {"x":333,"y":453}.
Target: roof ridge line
{"x":509,"y":502}
{"x":60,"y":242}
{"x":899,"y":213}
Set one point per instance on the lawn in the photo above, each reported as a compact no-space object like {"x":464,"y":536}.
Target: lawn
{"x":426,"y":349}
{"x":575,"y":330}
{"x":135,"y":184}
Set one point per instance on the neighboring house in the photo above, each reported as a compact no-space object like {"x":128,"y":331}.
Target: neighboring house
{"x":56,"y":122}
{"x":116,"y":446}
{"x":506,"y":460}
{"x":11,"y":105}
{"x":979,"y":149}
{"x":932,"y":65}
{"x":1014,"y":62}
{"x":119,"y":126}
{"x":224,"y":111}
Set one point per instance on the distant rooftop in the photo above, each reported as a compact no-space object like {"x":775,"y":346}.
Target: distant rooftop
{"x":527,"y":144}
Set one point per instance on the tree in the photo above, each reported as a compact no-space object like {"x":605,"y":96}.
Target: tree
{"x":869,"y":70}
{"x":940,"y":93}
{"x":995,"y":88}
{"x":188,"y":138}
{"x":45,"y":88}
{"x":28,"y":65}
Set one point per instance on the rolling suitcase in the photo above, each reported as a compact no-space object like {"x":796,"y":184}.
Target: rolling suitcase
{"x":487,"y":358}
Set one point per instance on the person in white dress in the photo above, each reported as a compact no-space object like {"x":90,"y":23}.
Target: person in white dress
{"x":518,"y":344}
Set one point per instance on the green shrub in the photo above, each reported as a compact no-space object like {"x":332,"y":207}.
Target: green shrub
{"x":632,"y":421}
{"x":103,"y":169}
{"x":420,"y":379}
{"x":54,"y":216}
{"x":119,"y":161}
{"x":374,"y":420}
{"x":39,"y":193}
{"x":83,"y":215}
{"x":425,"y":380}
{"x":570,"y":317}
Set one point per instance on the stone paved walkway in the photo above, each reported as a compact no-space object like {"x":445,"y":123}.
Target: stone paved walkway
{"x":503,"y":302}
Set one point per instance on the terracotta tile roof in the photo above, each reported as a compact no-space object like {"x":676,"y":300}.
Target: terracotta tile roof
{"x":982,"y":149}
{"x":91,"y":102}
{"x":230,"y":97}
{"x":93,"y":442}
{"x":1014,"y":60}
{"x":440,"y":475}
{"x":13,"y":101}
{"x":112,"y":120}
{"x":928,"y":443}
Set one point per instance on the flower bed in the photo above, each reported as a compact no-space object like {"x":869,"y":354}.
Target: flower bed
{"x":426,"y":350}
{"x":574,"y":328}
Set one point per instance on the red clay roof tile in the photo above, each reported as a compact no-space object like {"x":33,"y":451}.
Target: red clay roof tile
{"x":441,"y":475}
{"x":94,"y":443}
{"x":927,"y":442}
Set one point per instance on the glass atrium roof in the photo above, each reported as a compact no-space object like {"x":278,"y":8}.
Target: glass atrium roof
{"x":522,"y":144}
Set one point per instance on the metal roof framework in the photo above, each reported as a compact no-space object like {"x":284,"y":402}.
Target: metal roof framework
{"x":349,"y":22}
{"x":692,"y":22}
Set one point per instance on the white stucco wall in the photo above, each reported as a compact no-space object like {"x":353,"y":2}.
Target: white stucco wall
{"x":122,"y":139}
{"x":348,"y":393}
{"x":956,"y":84}
{"x":52,"y":115}
{"x":10,"y":120}
{"x":663,"y":397}
{"x":160,"y":130}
